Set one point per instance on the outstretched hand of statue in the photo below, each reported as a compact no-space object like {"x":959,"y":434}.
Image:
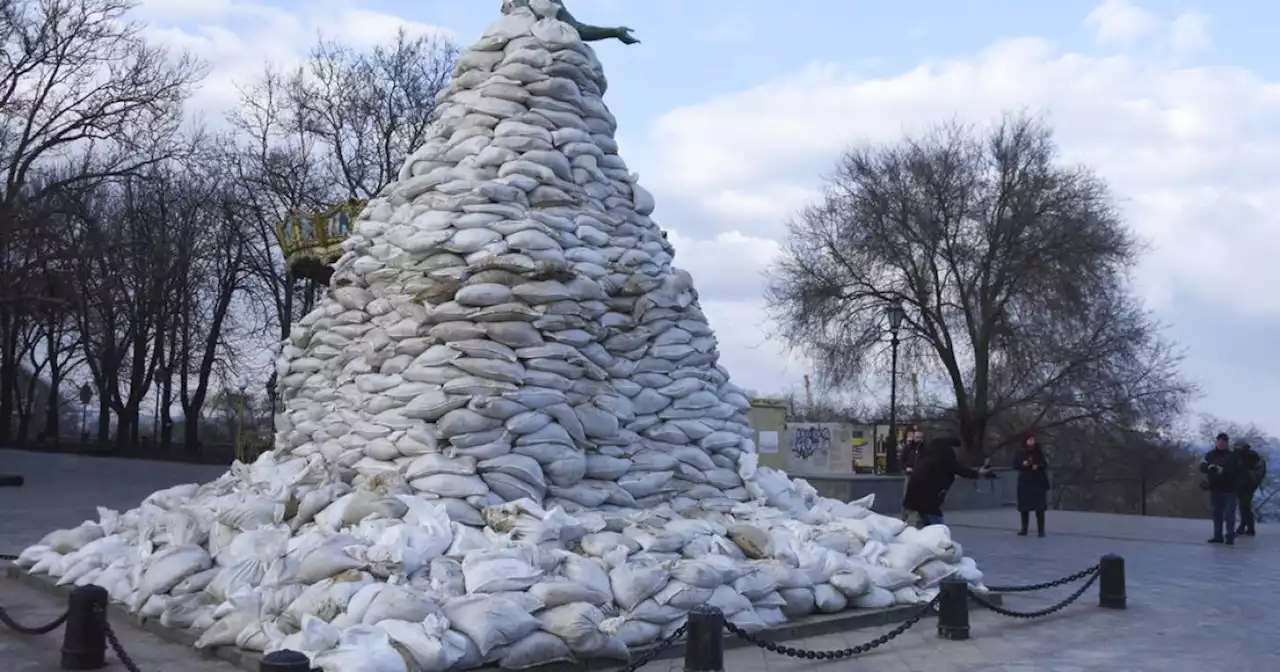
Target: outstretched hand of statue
{"x":587,"y":32}
{"x":624,"y":35}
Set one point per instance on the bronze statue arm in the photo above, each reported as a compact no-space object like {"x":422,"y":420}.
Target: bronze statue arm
{"x":596,"y":33}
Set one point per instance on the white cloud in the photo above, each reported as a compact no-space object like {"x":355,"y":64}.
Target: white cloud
{"x":238,"y":39}
{"x":1189,"y":150}
{"x":1189,"y":32}
{"x":1119,"y":22}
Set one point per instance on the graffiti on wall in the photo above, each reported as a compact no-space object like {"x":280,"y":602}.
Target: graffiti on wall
{"x":811,"y":441}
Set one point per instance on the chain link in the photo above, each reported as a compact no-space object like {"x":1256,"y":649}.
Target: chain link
{"x":648,"y":656}
{"x":114,"y":641}
{"x":39,"y":630}
{"x":850,"y":652}
{"x":1042,"y":612}
{"x":1043,"y":586}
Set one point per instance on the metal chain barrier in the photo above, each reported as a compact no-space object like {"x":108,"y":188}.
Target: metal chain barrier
{"x":850,"y":652}
{"x":977,"y":597}
{"x":41,"y":630}
{"x":648,"y":656}
{"x":1044,"y":586}
{"x":115,"y":644}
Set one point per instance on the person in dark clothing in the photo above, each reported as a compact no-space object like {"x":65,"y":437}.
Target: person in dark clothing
{"x":934,"y":471}
{"x":1253,"y":469}
{"x":1033,"y":483}
{"x":911,"y":450}
{"x":1221,"y":468}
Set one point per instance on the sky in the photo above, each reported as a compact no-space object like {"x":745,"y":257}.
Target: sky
{"x":731,"y":111}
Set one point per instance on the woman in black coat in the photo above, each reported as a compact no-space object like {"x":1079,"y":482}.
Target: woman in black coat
{"x":1033,"y":483}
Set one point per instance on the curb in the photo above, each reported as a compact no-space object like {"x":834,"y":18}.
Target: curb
{"x":813,"y":626}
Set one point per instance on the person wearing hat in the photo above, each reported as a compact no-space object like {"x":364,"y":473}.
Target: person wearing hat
{"x":1253,"y":469}
{"x":1033,"y":483}
{"x":1221,"y":468}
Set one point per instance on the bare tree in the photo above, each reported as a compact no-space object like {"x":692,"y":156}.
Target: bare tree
{"x":80,"y":92}
{"x":1011,"y":268}
{"x":336,"y":128}
{"x":371,"y":109}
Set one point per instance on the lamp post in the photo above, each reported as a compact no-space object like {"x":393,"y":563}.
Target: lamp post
{"x":244,"y":385}
{"x":158,"y":379}
{"x":895,"y":313}
{"x":86,"y":395}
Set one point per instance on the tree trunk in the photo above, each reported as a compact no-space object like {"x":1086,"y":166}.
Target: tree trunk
{"x":8,"y":370}
{"x":53,"y":407}
{"x":104,"y":417}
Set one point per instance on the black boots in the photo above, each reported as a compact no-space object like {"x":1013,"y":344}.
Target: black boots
{"x":1025,"y":517}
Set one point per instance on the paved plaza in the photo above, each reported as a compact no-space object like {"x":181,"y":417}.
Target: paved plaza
{"x":1193,"y":606}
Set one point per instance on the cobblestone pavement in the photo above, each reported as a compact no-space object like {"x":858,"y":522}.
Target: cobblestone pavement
{"x":1193,"y":606}
{"x":41,"y":653}
{"x":64,"y":490}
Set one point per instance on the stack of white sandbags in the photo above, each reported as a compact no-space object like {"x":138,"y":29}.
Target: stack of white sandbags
{"x":287,"y":555}
{"x":506,"y":437}
{"x":506,"y":322}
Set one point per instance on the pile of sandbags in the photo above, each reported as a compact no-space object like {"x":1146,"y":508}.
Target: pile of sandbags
{"x":506,"y":323}
{"x":370,"y":576}
{"x":506,"y":437}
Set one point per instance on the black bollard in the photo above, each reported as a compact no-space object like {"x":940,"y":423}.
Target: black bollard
{"x":285,"y":660}
{"x":84,"y":637}
{"x":704,"y":647}
{"x":1111,"y":592}
{"x":953,"y":609}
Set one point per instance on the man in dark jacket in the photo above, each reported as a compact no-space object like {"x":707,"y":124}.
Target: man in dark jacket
{"x":911,"y":449}
{"x":1221,"y":468}
{"x":1253,"y":469}
{"x":935,"y":469}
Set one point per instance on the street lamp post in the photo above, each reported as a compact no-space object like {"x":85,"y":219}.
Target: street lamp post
{"x":157,"y":378}
{"x":895,"y":313}
{"x":244,"y":385}
{"x":86,"y":395}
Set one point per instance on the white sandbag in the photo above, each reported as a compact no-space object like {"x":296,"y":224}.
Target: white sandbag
{"x":490,"y":621}
{"x":430,"y":643}
{"x":579,"y":626}
{"x":361,"y":649}
{"x":68,"y":541}
{"x":800,"y":602}
{"x":326,"y":561}
{"x":632,"y":583}
{"x":312,"y":638}
{"x":183,"y":611}
{"x":875,"y":598}
{"x":536,"y":650}
{"x":171,"y":566}
{"x":326,"y":599}
{"x":828,"y":599}
{"x":907,"y":556}
{"x":499,"y":570}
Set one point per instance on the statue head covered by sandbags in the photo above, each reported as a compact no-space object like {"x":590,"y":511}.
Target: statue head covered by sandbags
{"x":555,"y":9}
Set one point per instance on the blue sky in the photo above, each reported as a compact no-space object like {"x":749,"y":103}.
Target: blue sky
{"x":731,"y":110}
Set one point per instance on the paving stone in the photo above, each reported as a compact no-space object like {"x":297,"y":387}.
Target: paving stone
{"x":1192,"y":606}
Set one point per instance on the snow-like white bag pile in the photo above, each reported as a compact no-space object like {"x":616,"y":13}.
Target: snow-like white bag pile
{"x":506,"y":438}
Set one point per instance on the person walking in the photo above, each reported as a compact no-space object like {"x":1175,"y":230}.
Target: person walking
{"x":1221,"y":468}
{"x":931,"y":477}
{"x":911,"y":450}
{"x":1033,"y":483}
{"x":1253,"y":469}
